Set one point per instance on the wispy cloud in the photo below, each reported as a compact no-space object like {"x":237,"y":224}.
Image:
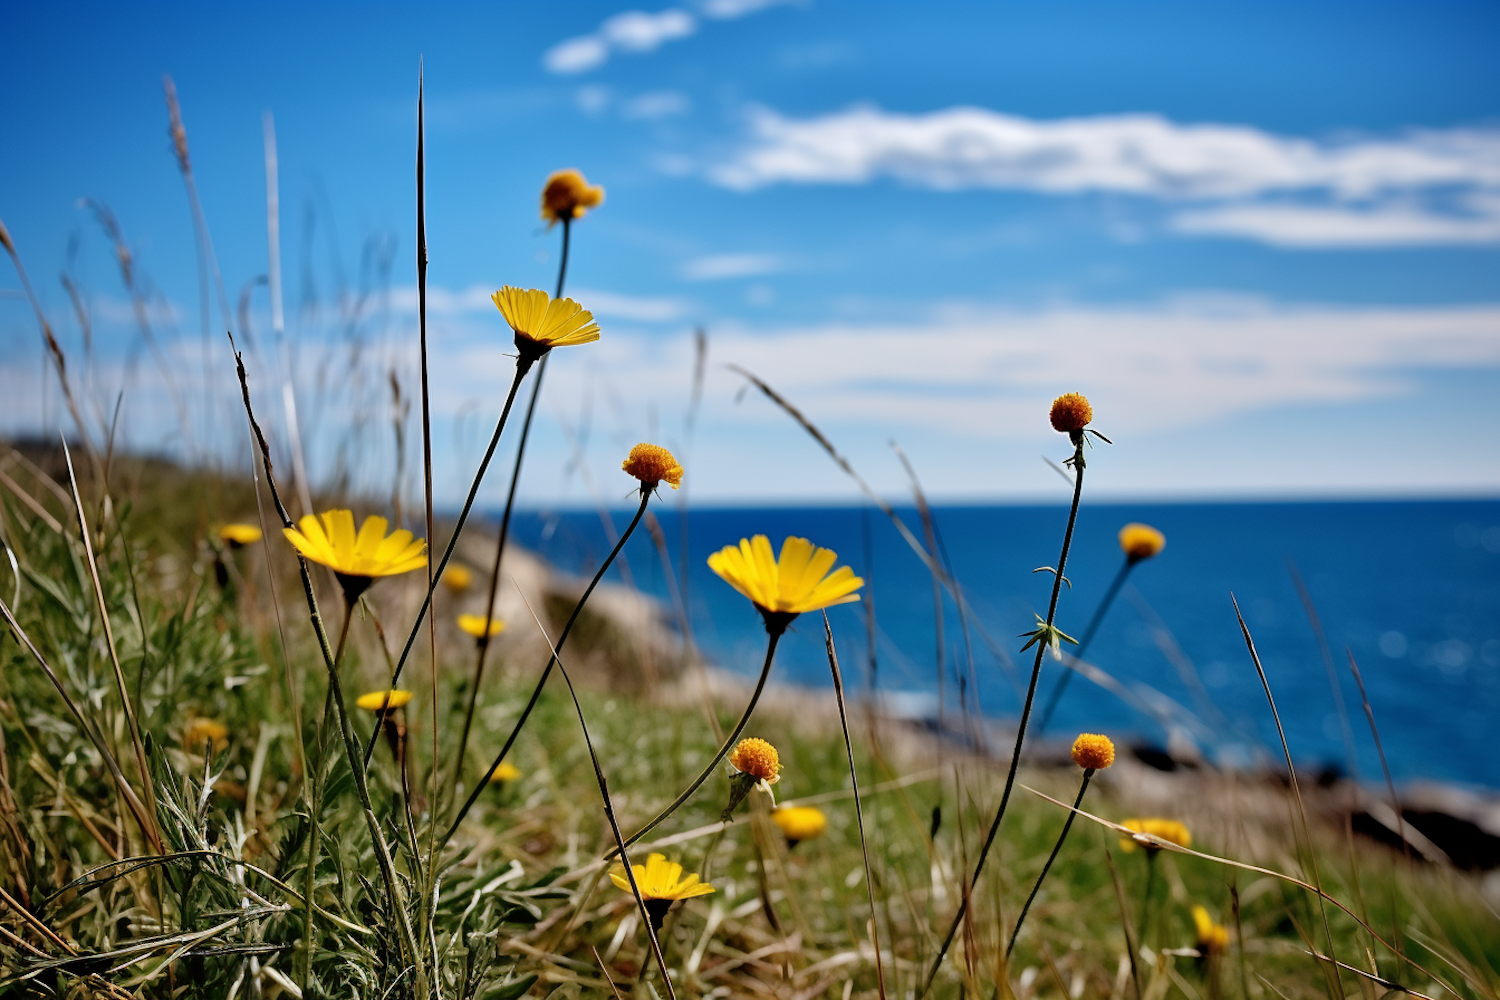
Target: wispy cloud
{"x":656,"y":104}
{"x":475,"y":300}
{"x":630,"y":31}
{"x":1318,"y":226}
{"x":641,"y":31}
{"x":1371,"y":191}
{"x":729,"y":10}
{"x":732,"y":265}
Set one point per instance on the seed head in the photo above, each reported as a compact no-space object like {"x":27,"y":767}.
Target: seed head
{"x":1141,"y":541}
{"x":1071,"y":413}
{"x":1093,"y":751}
{"x":756,"y":757}
{"x":653,"y":465}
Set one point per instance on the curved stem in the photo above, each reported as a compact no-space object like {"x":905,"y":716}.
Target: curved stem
{"x":1083,"y":644}
{"x":523,"y":365}
{"x":494,"y":591}
{"x":1068,"y":825}
{"x":551,"y":662}
{"x":315,"y":802}
{"x":653,"y":923}
{"x":510,"y":506}
{"x":1015,"y":757}
{"x":760,"y":685}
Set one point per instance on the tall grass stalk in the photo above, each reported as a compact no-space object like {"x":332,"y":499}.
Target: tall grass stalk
{"x":859,"y":814}
{"x":394,"y":895}
{"x":1335,"y":984}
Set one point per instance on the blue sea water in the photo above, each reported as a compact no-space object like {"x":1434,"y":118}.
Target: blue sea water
{"x":1410,"y":589}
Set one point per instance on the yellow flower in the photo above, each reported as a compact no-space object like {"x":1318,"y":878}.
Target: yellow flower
{"x":356,"y":559}
{"x":568,"y":196}
{"x":237,"y":535}
{"x":457,"y":578}
{"x":1212,"y":938}
{"x":756,"y":757}
{"x":1093,"y":751}
{"x":200,"y":731}
{"x":1169,"y":830}
{"x":1141,"y":541}
{"x":661,"y":879}
{"x":783,"y":589}
{"x":505,"y":771}
{"x":474,"y":625}
{"x":1071,"y":413}
{"x":653,"y":465}
{"x":799,"y":823}
{"x":541,"y":322}
{"x":376,"y":700}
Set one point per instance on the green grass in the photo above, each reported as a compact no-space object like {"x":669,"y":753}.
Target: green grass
{"x":521,"y":892}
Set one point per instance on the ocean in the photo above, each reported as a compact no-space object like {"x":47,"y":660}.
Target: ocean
{"x":1410,"y":589}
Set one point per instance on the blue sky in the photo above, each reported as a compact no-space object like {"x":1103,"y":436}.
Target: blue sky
{"x":1265,"y":239}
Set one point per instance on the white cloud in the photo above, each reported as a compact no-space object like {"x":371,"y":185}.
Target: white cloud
{"x":1133,"y":154}
{"x":1374,"y":191}
{"x":729,"y":10}
{"x":475,"y":301}
{"x":1153,"y":368}
{"x":1318,"y":226}
{"x":638,"y":31}
{"x":656,"y":104}
{"x":628,"y":31}
{"x":640,"y":308}
{"x":731,"y":265}
{"x":576,"y":55}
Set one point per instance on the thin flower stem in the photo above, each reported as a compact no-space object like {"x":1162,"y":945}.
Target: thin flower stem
{"x":523,"y":365}
{"x":1083,"y":644}
{"x":609,"y":806}
{"x":536,"y":693}
{"x":1067,"y":825}
{"x":1015,"y":757}
{"x":760,"y":685}
{"x":510,"y":506}
{"x":315,"y":805}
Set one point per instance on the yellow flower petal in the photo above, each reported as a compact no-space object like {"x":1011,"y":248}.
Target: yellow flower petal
{"x":796,"y":583}
{"x":332,"y":541}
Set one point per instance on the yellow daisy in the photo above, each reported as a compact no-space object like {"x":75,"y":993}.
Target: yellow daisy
{"x":799,"y":823}
{"x":1212,"y":938}
{"x":474,"y":625}
{"x":457,"y":578}
{"x":784,"y":588}
{"x":1169,"y":830}
{"x":661,"y":884}
{"x":356,"y":559}
{"x":505,"y":772}
{"x":1141,"y":541}
{"x":200,"y":731}
{"x":541,"y":322}
{"x":239,"y":535}
{"x":376,"y":700}
{"x":568,"y":196}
